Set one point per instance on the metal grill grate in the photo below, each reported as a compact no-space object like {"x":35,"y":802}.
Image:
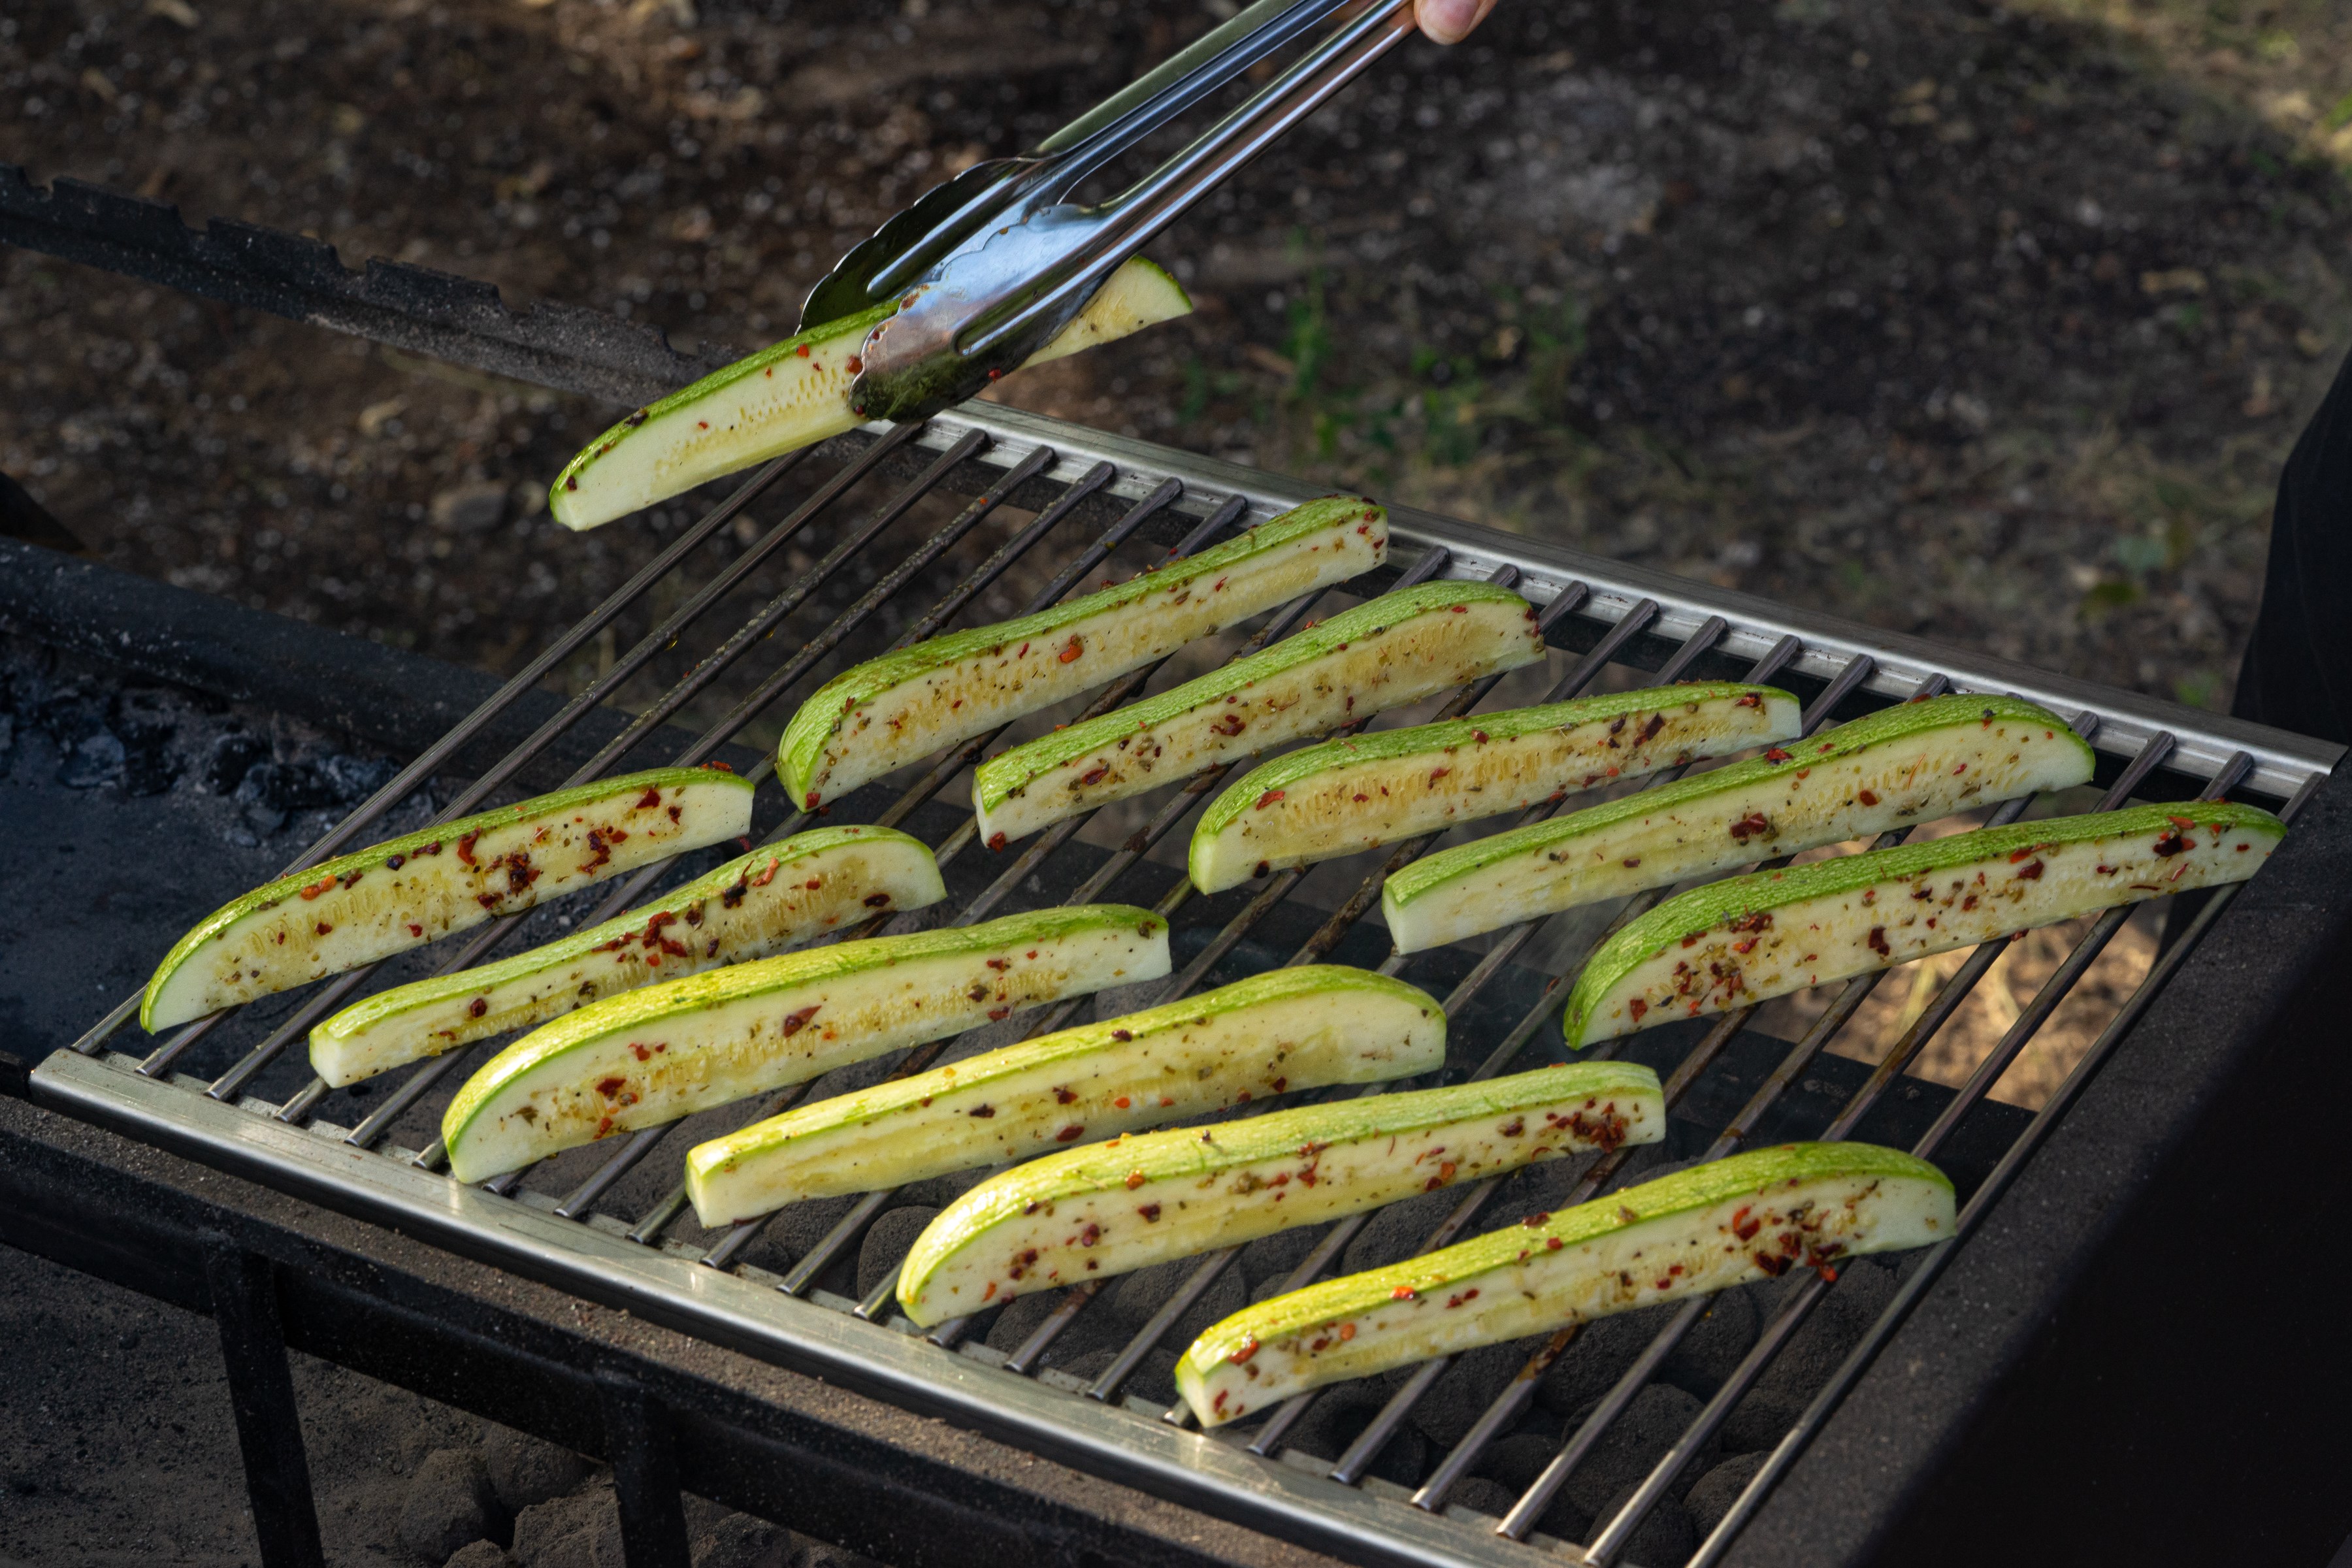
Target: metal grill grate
{"x":632,"y":1258}
{"x":1606,"y":622}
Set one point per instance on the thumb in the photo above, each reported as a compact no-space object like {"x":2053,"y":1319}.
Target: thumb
{"x":1450,"y":21}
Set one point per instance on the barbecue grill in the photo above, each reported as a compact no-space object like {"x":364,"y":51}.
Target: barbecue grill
{"x":2053,"y":1374}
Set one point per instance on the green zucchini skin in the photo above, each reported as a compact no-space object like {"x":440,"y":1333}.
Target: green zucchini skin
{"x":651,"y":1055}
{"x":905,"y":705}
{"x":404,"y":892}
{"x":1362,"y":791}
{"x":1752,"y":938}
{"x":1913,"y":763}
{"x":1729,"y":1222}
{"x":753,"y":906}
{"x":1096,"y":1212}
{"x":1394,"y":649}
{"x":1286,"y":1029}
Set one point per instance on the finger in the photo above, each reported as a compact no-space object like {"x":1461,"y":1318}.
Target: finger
{"x":1450,"y":21}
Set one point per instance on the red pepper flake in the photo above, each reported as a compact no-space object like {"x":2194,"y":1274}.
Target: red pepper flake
{"x":1347,"y":1332}
{"x":1070,"y":654}
{"x":466,"y":848}
{"x":477,"y":1006}
{"x":1122,"y":1102}
{"x":1743,"y":1227}
{"x":1063,"y":1095}
{"x":416,"y":929}
{"x":650,"y":799}
{"x":610,"y":1087}
{"x":323,"y":885}
{"x":1878,"y":943}
{"x":795,"y":1022}
{"x":1092,"y":1233}
{"x":996,"y":841}
{"x":1248,"y":1348}
{"x":1776,"y":755}
{"x":1122,"y":1034}
{"x":1551,"y":1243}
{"x":1404,"y":1293}
{"x":1134,"y":1180}
{"x":1867,"y":797}
{"x":1150,"y":1212}
{"x":324,"y":928}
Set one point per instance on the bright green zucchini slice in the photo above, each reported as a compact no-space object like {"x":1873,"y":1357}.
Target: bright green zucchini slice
{"x":1289,"y":1029}
{"x":753,"y":906}
{"x":356,"y":908}
{"x":1366,"y":790}
{"x":906,"y":705}
{"x":1748,"y":1217}
{"x":1395,"y":650}
{"x":1913,"y":763}
{"x":1753,"y":938}
{"x":652,"y":1056}
{"x":793,"y":395}
{"x":1133,"y":1201}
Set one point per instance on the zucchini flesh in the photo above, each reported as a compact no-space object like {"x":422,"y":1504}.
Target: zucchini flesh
{"x":404,"y":892}
{"x":1395,"y":650}
{"x":1753,"y":938}
{"x":751,"y":907}
{"x":1913,"y":763}
{"x":1291,"y":1029}
{"x":652,"y":1056}
{"x":792,"y":395}
{"x":906,"y":705}
{"x":1133,"y":1201}
{"x":1362,"y":791}
{"x":1748,"y":1217}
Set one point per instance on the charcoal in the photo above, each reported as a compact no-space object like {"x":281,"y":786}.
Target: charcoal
{"x":144,"y":719}
{"x":1130,"y":1302}
{"x":285,"y":786}
{"x":227,"y":760}
{"x":1396,"y":1232}
{"x":1517,"y":1460}
{"x":1666,"y":1536}
{"x":787,"y":1238}
{"x":525,"y":1471}
{"x":1461,"y":1393}
{"x":1715,"y":1346}
{"x":1759,"y":1421}
{"x":1154,"y":1377}
{"x":580,"y":1530}
{"x":1336,"y":1419}
{"x":96,"y":759}
{"x":1266,"y":1288}
{"x":1274,"y":1256}
{"x":1831,"y":1333}
{"x":739,"y":1541}
{"x":1598,"y":1356}
{"x":1480,"y":1495}
{"x":480,"y":1555}
{"x":353,"y":779}
{"x":447,"y":1503}
{"x":1717,"y":1490}
{"x":939,"y":1192}
{"x":1634,"y":1444}
{"x":887,"y":1240}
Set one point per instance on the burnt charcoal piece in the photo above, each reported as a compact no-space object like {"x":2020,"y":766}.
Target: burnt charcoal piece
{"x":1274,"y":1256}
{"x":1800,"y":1369}
{"x":1480,"y":1495}
{"x":232,"y":753}
{"x":1759,"y":1421}
{"x":526,"y":1471}
{"x":1340,"y":1417}
{"x":94,"y":760}
{"x":1598,"y":1356}
{"x":1717,"y":1490}
{"x":1396,"y":1232}
{"x":285,"y":786}
{"x":353,"y":779}
{"x":1128,"y":1303}
{"x":739,"y":1541}
{"x":1461,"y":1393}
{"x":787,"y":1238}
{"x":448,"y":1504}
{"x":887,"y":1240}
{"x":1635,"y":1443}
{"x":939,"y":1192}
{"x":1666,"y":1534}
{"x":1517,"y":1460}
{"x":1714,"y":1346}
{"x":1154,"y":1377}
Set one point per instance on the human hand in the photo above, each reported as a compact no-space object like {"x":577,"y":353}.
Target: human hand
{"x":1450,"y":21}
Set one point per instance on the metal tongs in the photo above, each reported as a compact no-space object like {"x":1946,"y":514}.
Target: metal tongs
{"x":988,"y":266}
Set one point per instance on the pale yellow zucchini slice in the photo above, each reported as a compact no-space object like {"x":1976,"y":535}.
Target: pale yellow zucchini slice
{"x":1748,"y":1217}
{"x":1757,"y":937}
{"x":1362,"y":791}
{"x":358,"y":908}
{"x":1395,"y":650}
{"x":652,"y":1056}
{"x":753,"y":906}
{"x":1909,"y":763}
{"x":903,"y":706}
{"x":1137,"y":1201}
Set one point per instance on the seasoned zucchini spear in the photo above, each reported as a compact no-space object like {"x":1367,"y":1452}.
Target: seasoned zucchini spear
{"x":1395,"y":650}
{"x":1289,"y":1029}
{"x":792,"y":395}
{"x":908,"y":704}
{"x":1137,"y":1201}
{"x":358,"y":908}
{"x":1757,"y":937}
{"x":655,"y":1055}
{"x":1748,"y":1217}
{"x":755,"y":905}
{"x":1914,"y":763}
{"x":1360,"y":791}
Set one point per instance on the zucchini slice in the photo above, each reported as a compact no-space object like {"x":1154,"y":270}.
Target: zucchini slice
{"x":1133,"y":1201}
{"x":755,"y":905}
{"x":792,"y":395}
{"x":404,"y":892}
{"x":1291,"y":1029}
{"x":1753,"y":938}
{"x":1394,"y":649}
{"x":1913,"y":763}
{"x":1366,"y":790}
{"x":906,"y":705}
{"x":655,"y":1055}
{"x":1748,"y":1217}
